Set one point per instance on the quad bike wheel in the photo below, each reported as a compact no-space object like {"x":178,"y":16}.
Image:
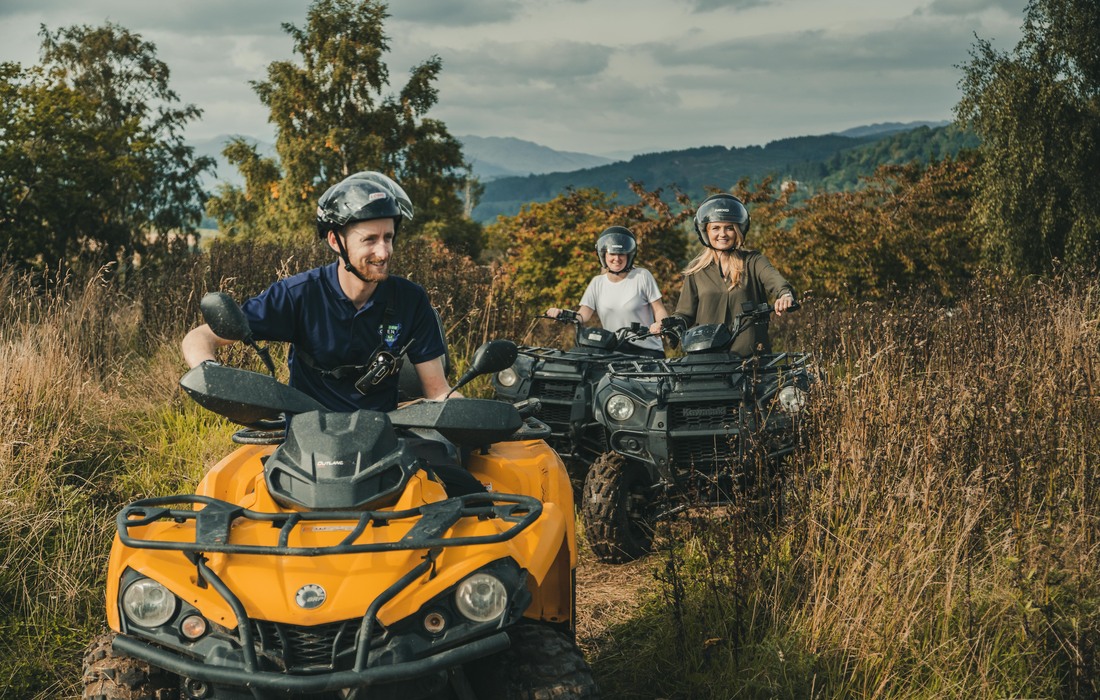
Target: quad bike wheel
{"x":108,"y":676}
{"x":615,"y":510}
{"x":541,"y":664}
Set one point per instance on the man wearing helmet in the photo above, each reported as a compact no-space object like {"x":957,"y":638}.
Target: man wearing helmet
{"x":350,"y":322}
{"x":726,"y":275}
{"x":623,"y":294}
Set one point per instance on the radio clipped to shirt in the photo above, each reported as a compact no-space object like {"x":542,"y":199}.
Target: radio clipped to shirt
{"x":383,"y":364}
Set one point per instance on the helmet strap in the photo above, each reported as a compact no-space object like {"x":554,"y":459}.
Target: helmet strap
{"x":347,"y":262}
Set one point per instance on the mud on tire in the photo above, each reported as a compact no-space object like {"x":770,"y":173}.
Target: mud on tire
{"x":616,"y":518}
{"x":108,"y":676}
{"x":541,"y":664}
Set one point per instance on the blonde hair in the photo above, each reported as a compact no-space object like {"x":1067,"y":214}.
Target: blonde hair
{"x":731,"y":262}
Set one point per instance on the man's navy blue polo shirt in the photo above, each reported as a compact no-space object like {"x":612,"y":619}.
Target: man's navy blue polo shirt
{"x":310,"y":311}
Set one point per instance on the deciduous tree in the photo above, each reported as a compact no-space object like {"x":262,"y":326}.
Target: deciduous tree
{"x":548,"y":250}
{"x":333,"y":117}
{"x":92,"y":155}
{"x":907,"y":226}
{"x":1037,"y":110}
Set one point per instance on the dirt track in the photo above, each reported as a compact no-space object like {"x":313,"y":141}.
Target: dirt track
{"x":607,"y":595}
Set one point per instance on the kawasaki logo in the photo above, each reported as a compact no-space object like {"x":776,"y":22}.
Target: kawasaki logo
{"x":704,"y":412}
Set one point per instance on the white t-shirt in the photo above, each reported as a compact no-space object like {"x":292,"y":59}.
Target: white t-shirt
{"x":621,"y":303}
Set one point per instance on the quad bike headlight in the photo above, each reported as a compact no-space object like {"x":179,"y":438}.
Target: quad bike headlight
{"x":792,"y":399}
{"x":481,"y":598}
{"x":620,"y":407}
{"x":147,"y":603}
{"x":507,"y":377}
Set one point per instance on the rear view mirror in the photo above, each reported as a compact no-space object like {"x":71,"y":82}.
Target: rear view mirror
{"x":494,"y":356}
{"x":224,"y":316}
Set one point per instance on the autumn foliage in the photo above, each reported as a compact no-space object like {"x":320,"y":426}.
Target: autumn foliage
{"x":547,"y":252}
{"x":907,"y":226}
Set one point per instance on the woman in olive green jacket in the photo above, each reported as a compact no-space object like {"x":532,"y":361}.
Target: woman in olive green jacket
{"x":725,"y":275}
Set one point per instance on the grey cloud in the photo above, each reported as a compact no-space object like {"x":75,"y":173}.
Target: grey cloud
{"x":594,"y":113}
{"x":709,"y":5}
{"x":910,"y":46}
{"x":18,"y":7}
{"x":526,"y":63}
{"x":969,"y":7}
{"x":211,"y":17}
{"x":458,"y":14}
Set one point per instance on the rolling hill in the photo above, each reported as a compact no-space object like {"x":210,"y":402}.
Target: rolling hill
{"x":834,"y":161}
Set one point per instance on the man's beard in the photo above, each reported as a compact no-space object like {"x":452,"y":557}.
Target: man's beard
{"x":373,"y":273}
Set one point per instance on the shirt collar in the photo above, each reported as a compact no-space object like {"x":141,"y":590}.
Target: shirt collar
{"x":331,"y":275}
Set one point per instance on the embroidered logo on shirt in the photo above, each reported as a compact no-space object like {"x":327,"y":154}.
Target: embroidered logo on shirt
{"x":390,"y":334}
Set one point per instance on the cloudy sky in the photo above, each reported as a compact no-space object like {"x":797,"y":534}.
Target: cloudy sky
{"x":607,"y":77}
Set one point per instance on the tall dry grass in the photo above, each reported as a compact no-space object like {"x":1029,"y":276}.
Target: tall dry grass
{"x":939,"y":538}
{"x":64,"y":400}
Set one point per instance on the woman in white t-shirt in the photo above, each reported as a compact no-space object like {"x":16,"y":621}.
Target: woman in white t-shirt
{"x":623,"y":294}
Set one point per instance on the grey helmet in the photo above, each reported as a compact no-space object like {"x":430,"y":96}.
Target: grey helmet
{"x":363,"y":196}
{"x":720,"y":207}
{"x":618,"y":240}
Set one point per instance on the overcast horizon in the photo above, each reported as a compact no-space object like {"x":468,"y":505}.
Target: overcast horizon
{"x":604,"y":77}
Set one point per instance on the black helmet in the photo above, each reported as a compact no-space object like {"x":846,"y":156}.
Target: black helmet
{"x":618,"y":240}
{"x":720,"y":207}
{"x":363,"y":196}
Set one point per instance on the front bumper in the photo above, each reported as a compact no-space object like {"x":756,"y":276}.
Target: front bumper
{"x":281,"y":682}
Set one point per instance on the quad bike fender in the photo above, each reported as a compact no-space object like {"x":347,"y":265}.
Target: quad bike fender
{"x":531,"y":468}
{"x":238,"y":476}
{"x":552,"y":596}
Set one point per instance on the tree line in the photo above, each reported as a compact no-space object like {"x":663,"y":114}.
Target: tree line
{"x":94,"y":167}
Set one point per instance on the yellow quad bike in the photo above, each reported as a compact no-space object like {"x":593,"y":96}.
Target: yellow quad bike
{"x":327,"y":560}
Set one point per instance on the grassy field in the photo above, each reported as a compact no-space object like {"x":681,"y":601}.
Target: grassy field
{"x":938,"y":538}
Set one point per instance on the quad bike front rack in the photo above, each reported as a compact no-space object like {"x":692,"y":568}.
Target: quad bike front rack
{"x":215,"y":520}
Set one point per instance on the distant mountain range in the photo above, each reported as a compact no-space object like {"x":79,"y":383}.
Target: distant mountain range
{"x":516,"y":172}
{"x":886,"y":128}
{"x":833,"y":161}
{"x":493,"y":157}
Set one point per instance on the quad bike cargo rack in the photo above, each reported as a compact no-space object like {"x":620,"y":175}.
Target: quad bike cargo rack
{"x":214,"y":523}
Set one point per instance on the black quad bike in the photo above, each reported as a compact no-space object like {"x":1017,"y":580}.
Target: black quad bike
{"x":688,"y":432}
{"x":427,"y":552}
{"x":564,"y":382}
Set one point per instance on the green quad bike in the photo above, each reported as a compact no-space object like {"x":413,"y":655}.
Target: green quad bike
{"x":563,"y":382}
{"x":688,"y":432}
{"x":329,"y":557}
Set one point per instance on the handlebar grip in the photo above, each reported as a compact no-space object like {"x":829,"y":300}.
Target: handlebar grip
{"x":568,"y":315}
{"x":529,"y":406}
{"x":673,"y":323}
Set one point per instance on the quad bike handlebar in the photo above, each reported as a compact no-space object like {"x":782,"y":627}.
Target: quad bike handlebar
{"x":673,"y":327}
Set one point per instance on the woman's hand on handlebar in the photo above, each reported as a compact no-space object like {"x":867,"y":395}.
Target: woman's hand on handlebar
{"x":563,"y":315}
{"x":784,"y":303}
{"x":669,"y":324}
